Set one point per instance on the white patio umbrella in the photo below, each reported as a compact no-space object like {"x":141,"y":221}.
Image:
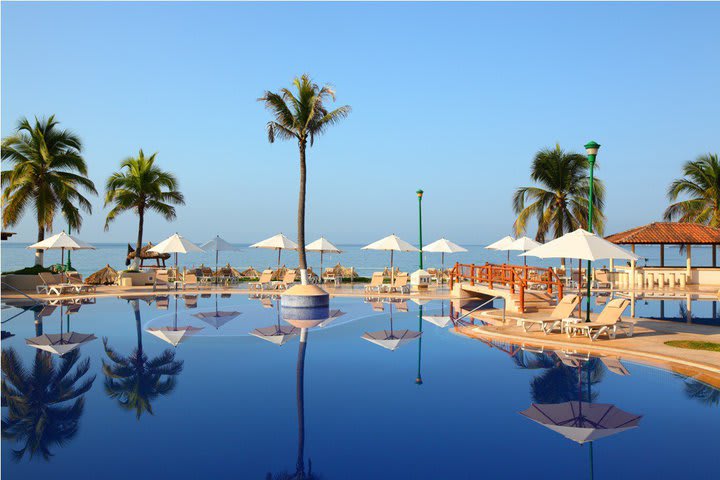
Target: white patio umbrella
{"x":523,"y":244}
{"x":582,"y":421}
{"x":60,"y":343}
{"x":582,"y":245}
{"x":176,"y":243}
{"x":391,"y":339}
{"x":502,"y":245}
{"x":218,"y":245}
{"x":322,"y":245}
{"x":174,"y":334}
{"x":391,"y":243}
{"x":278,"y":242}
{"x":443,"y":246}
{"x":62,"y":241}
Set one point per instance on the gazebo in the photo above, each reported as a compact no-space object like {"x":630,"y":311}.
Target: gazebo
{"x":673,"y":233}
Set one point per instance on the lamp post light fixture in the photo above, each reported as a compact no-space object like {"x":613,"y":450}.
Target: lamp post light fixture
{"x":591,"y":148}
{"x":420,"y":195}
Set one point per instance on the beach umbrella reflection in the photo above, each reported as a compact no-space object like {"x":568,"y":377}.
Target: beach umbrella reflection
{"x":174,"y":334}
{"x":277,"y":334}
{"x":391,"y":339}
{"x":60,"y":343}
{"x":217,"y":318}
{"x":441,"y":320}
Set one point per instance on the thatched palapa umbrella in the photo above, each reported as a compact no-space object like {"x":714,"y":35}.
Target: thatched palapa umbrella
{"x":105,"y":276}
{"x":147,"y":254}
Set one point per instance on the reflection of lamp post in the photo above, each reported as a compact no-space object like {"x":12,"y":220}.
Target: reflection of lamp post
{"x":591,"y":148}
{"x":420,"y":195}
{"x":69,"y":262}
{"x":418,"y":379}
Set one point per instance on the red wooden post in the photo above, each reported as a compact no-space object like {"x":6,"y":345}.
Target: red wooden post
{"x":490,"y":277}
{"x":522,"y":298}
{"x":512,"y":281}
{"x":472,"y":274}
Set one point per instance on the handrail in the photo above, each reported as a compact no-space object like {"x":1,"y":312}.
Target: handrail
{"x":36,"y":301}
{"x":516,"y":277}
{"x":480,"y":306}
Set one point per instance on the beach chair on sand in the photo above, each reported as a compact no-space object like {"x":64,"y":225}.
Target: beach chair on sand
{"x":562,"y":310}
{"x":287,"y":281}
{"x":265,"y":281}
{"x":401,"y":284}
{"x":608,"y":322}
{"x":50,"y":285}
{"x":376,"y":283}
{"x":79,"y":285}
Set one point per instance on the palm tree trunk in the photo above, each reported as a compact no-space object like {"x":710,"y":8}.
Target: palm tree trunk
{"x":40,"y":254}
{"x":141,"y":223}
{"x":138,"y":327}
{"x":301,"y":215}
{"x":300,"y":397}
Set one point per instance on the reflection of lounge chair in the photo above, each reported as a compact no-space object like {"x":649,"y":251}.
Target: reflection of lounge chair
{"x":376,"y":282}
{"x":562,"y":310}
{"x":266,"y":302}
{"x":190,"y":301}
{"x":401,"y":284}
{"x":615,"y":365}
{"x":287,"y":281}
{"x":265,"y":281}
{"x":50,"y":285}
{"x":608,"y":322}
{"x":163,"y":302}
{"x":401,"y":306}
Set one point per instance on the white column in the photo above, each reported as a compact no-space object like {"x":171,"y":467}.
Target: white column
{"x":632,"y":268}
{"x":688,"y":263}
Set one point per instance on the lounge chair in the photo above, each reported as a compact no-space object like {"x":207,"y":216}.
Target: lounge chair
{"x":401,"y":306}
{"x":162,"y":280}
{"x":79,"y":285}
{"x":608,"y":322}
{"x":190,"y":301}
{"x":287,"y":281}
{"x":376,"y":283}
{"x":190,"y":279}
{"x":162,"y":302}
{"x":562,"y":310}
{"x":265,"y":281}
{"x":401,"y":284}
{"x":50,"y":285}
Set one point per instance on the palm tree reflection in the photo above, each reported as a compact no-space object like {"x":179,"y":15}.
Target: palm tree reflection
{"x":702,"y":392}
{"x":562,"y":383}
{"x":37,"y":400}
{"x":135,"y":380}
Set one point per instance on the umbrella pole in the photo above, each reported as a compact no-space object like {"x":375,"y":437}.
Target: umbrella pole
{"x":442,"y":268}
{"x":392,"y":273}
{"x":321,"y":262}
{"x":175,"y":321}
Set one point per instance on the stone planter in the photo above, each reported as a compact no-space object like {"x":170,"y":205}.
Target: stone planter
{"x":136,"y":279}
{"x":25,"y":283}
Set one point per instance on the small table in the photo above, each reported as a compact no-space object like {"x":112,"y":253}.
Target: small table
{"x":566,"y":324}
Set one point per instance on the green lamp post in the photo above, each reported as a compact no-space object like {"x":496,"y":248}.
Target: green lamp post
{"x":420,"y":195}
{"x":591,"y":148}
{"x":69,"y":261}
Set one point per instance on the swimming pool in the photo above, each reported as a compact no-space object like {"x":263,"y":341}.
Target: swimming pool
{"x":226,"y":404}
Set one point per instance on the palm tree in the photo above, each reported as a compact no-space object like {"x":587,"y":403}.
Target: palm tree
{"x":141,"y":186}
{"x":702,"y":392}
{"x":135,"y":381}
{"x":701,"y":183}
{"x":560,"y":203}
{"x":301,"y":118}
{"x":562,"y":383}
{"x":48,"y":175}
{"x":37,"y":399}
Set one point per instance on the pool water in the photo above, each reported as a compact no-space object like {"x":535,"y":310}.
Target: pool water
{"x":226,"y":404}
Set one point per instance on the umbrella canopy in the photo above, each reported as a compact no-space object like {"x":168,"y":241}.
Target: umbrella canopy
{"x":391,"y":339}
{"x":218,"y":245}
{"x":323,"y":246}
{"x":60,"y":343}
{"x":333,"y":315}
{"x":501,"y":244}
{"x":523,"y":244}
{"x":217,"y":318}
{"x":583,"y":245}
{"x":61,"y":241}
{"x":391,"y":243}
{"x":176,"y":243}
{"x":105,"y":276}
{"x":278,"y":242}
{"x":174,"y":335}
{"x":581,"y":421}
{"x":442,"y":247}
{"x":441,"y":321}
{"x":277,"y":334}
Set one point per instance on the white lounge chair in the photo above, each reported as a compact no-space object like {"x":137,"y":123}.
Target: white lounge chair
{"x":608,"y":322}
{"x":287,"y":281}
{"x":376,"y":282}
{"x":400,"y":285}
{"x":265,"y":281}
{"x":50,"y":285}
{"x":562,"y":310}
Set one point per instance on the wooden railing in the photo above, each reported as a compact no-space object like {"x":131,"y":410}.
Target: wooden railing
{"x":517,"y":278}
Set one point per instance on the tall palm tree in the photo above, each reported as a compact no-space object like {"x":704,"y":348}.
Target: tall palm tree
{"x":559,"y":203}
{"x":48,"y":175}
{"x":701,"y":183}
{"x":302,"y":117}
{"x":135,"y":381}
{"x":45,"y":402}
{"x":141,"y":186}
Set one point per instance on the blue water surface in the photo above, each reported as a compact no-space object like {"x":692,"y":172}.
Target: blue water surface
{"x":441,"y":406}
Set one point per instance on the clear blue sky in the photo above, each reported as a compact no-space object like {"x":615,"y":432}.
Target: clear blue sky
{"x":453,"y":98}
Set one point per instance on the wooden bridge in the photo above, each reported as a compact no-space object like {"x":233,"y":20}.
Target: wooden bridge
{"x":526,"y":285}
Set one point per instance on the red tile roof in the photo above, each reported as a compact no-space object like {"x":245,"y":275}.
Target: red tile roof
{"x":668,"y":233}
